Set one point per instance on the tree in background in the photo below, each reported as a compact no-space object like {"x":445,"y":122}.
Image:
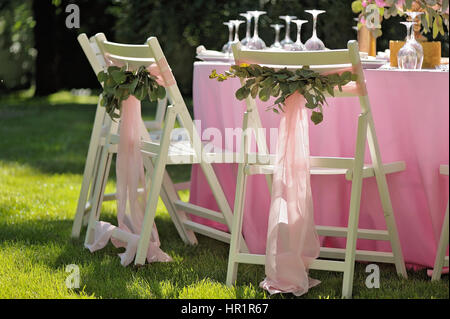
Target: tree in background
{"x":37,"y":47}
{"x":17,"y":53}
{"x":60,"y":62}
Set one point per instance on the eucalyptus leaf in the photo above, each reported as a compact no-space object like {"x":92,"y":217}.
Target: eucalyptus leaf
{"x":161,"y":92}
{"x":242,"y":93}
{"x":119,"y":84}
{"x":316,"y":117}
{"x":264,"y":82}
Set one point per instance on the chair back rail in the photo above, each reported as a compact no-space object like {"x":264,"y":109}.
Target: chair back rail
{"x":320,"y":61}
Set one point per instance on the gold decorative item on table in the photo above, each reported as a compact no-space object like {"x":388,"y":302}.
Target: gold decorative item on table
{"x":431,"y":53}
{"x":431,"y":50}
{"x":366,"y":41}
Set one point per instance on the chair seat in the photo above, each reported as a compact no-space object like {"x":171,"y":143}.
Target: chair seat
{"x":368,"y":170}
{"x":177,"y":135}
{"x":182,"y":152}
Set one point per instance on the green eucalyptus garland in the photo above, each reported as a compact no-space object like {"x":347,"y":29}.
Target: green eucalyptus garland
{"x":264,"y":82}
{"x":120,"y":83}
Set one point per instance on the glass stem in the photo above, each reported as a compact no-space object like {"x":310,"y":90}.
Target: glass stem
{"x":299,"y":34}
{"x":277,"y":35}
{"x":314,"y":26}
{"x":255,"y":35}
{"x":248,"y":35}
{"x":288,"y":29}
{"x":230,"y":35}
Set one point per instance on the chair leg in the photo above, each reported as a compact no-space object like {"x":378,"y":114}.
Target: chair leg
{"x":89,"y":171}
{"x":443,"y":243}
{"x":98,"y":191}
{"x":92,"y":186}
{"x":236,"y":231}
{"x":156,"y":183}
{"x":169,"y":195}
{"x":210,"y":175}
{"x":385,"y":197}
{"x":355,"y":203}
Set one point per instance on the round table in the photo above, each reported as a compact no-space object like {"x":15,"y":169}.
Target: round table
{"x":411,"y":114}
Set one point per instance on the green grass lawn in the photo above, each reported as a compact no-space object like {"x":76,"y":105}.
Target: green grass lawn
{"x":43,"y":145}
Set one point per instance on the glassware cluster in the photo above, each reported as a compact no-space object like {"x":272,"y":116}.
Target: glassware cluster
{"x":410,"y":56}
{"x":254,"y":42}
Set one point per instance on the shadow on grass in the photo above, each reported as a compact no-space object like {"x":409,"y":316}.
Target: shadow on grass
{"x":48,"y":242}
{"x":55,"y":138}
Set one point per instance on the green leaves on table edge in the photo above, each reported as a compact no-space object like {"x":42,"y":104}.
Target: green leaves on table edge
{"x":264,"y":82}
{"x":119,"y":84}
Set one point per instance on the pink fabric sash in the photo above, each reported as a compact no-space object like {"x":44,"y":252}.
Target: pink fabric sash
{"x":292,"y":240}
{"x":131,"y":177}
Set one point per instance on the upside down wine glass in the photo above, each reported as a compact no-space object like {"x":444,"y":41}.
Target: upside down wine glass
{"x":407,"y":56}
{"x":256,"y":43}
{"x":277,"y":44}
{"x":287,"y":42}
{"x":414,"y":42}
{"x":236,"y":24}
{"x":314,"y":43}
{"x":248,"y":35}
{"x":298,"y":45}
{"x":227,"y":46}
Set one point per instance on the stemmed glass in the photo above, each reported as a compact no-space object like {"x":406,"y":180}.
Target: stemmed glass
{"x":356,"y":26}
{"x":413,"y":41}
{"x":227,"y":47}
{"x":248,"y":35}
{"x":314,"y":43}
{"x":256,"y":43}
{"x":236,"y":24}
{"x":298,"y":45}
{"x":287,"y":39}
{"x":277,"y":44}
{"x":407,"y":56}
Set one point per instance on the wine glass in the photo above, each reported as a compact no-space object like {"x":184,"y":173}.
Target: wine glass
{"x":227,"y":46}
{"x":277,"y":44}
{"x":314,"y":43}
{"x":236,"y":24}
{"x":256,"y":43}
{"x":407,"y":56}
{"x":414,"y":42}
{"x":248,"y":35}
{"x":356,"y":26}
{"x":298,"y":45}
{"x":287,"y":39}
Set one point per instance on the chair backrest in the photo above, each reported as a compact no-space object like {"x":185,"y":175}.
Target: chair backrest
{"x":92,"y":53}
{"x":97,"y":46}
{"x":321,"y":61}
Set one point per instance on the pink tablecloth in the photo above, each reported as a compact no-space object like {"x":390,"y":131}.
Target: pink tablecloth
{"x":411,"y":113}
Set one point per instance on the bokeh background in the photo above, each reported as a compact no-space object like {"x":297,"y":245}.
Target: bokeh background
{"x":38,"y":51}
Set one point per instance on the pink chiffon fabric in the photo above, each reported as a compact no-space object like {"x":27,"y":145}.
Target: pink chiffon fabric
{"x":292,"y":241}
{"x":130,"y":177}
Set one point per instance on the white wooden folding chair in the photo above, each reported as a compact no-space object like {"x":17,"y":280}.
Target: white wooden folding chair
{"x":353,"y":169}
{"x":97,"y":141}
{"x":158,"y":154}
{"x":441,"y":259}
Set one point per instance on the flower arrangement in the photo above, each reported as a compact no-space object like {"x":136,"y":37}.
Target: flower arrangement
{"x":436,"y":13}
{"x":119,"y":84}
{"x":264,"y":82}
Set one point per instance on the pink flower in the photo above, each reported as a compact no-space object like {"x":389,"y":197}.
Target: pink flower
{"x":400,"y":4}
{"x":380,"y":3}
{"x":364,"y":3}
